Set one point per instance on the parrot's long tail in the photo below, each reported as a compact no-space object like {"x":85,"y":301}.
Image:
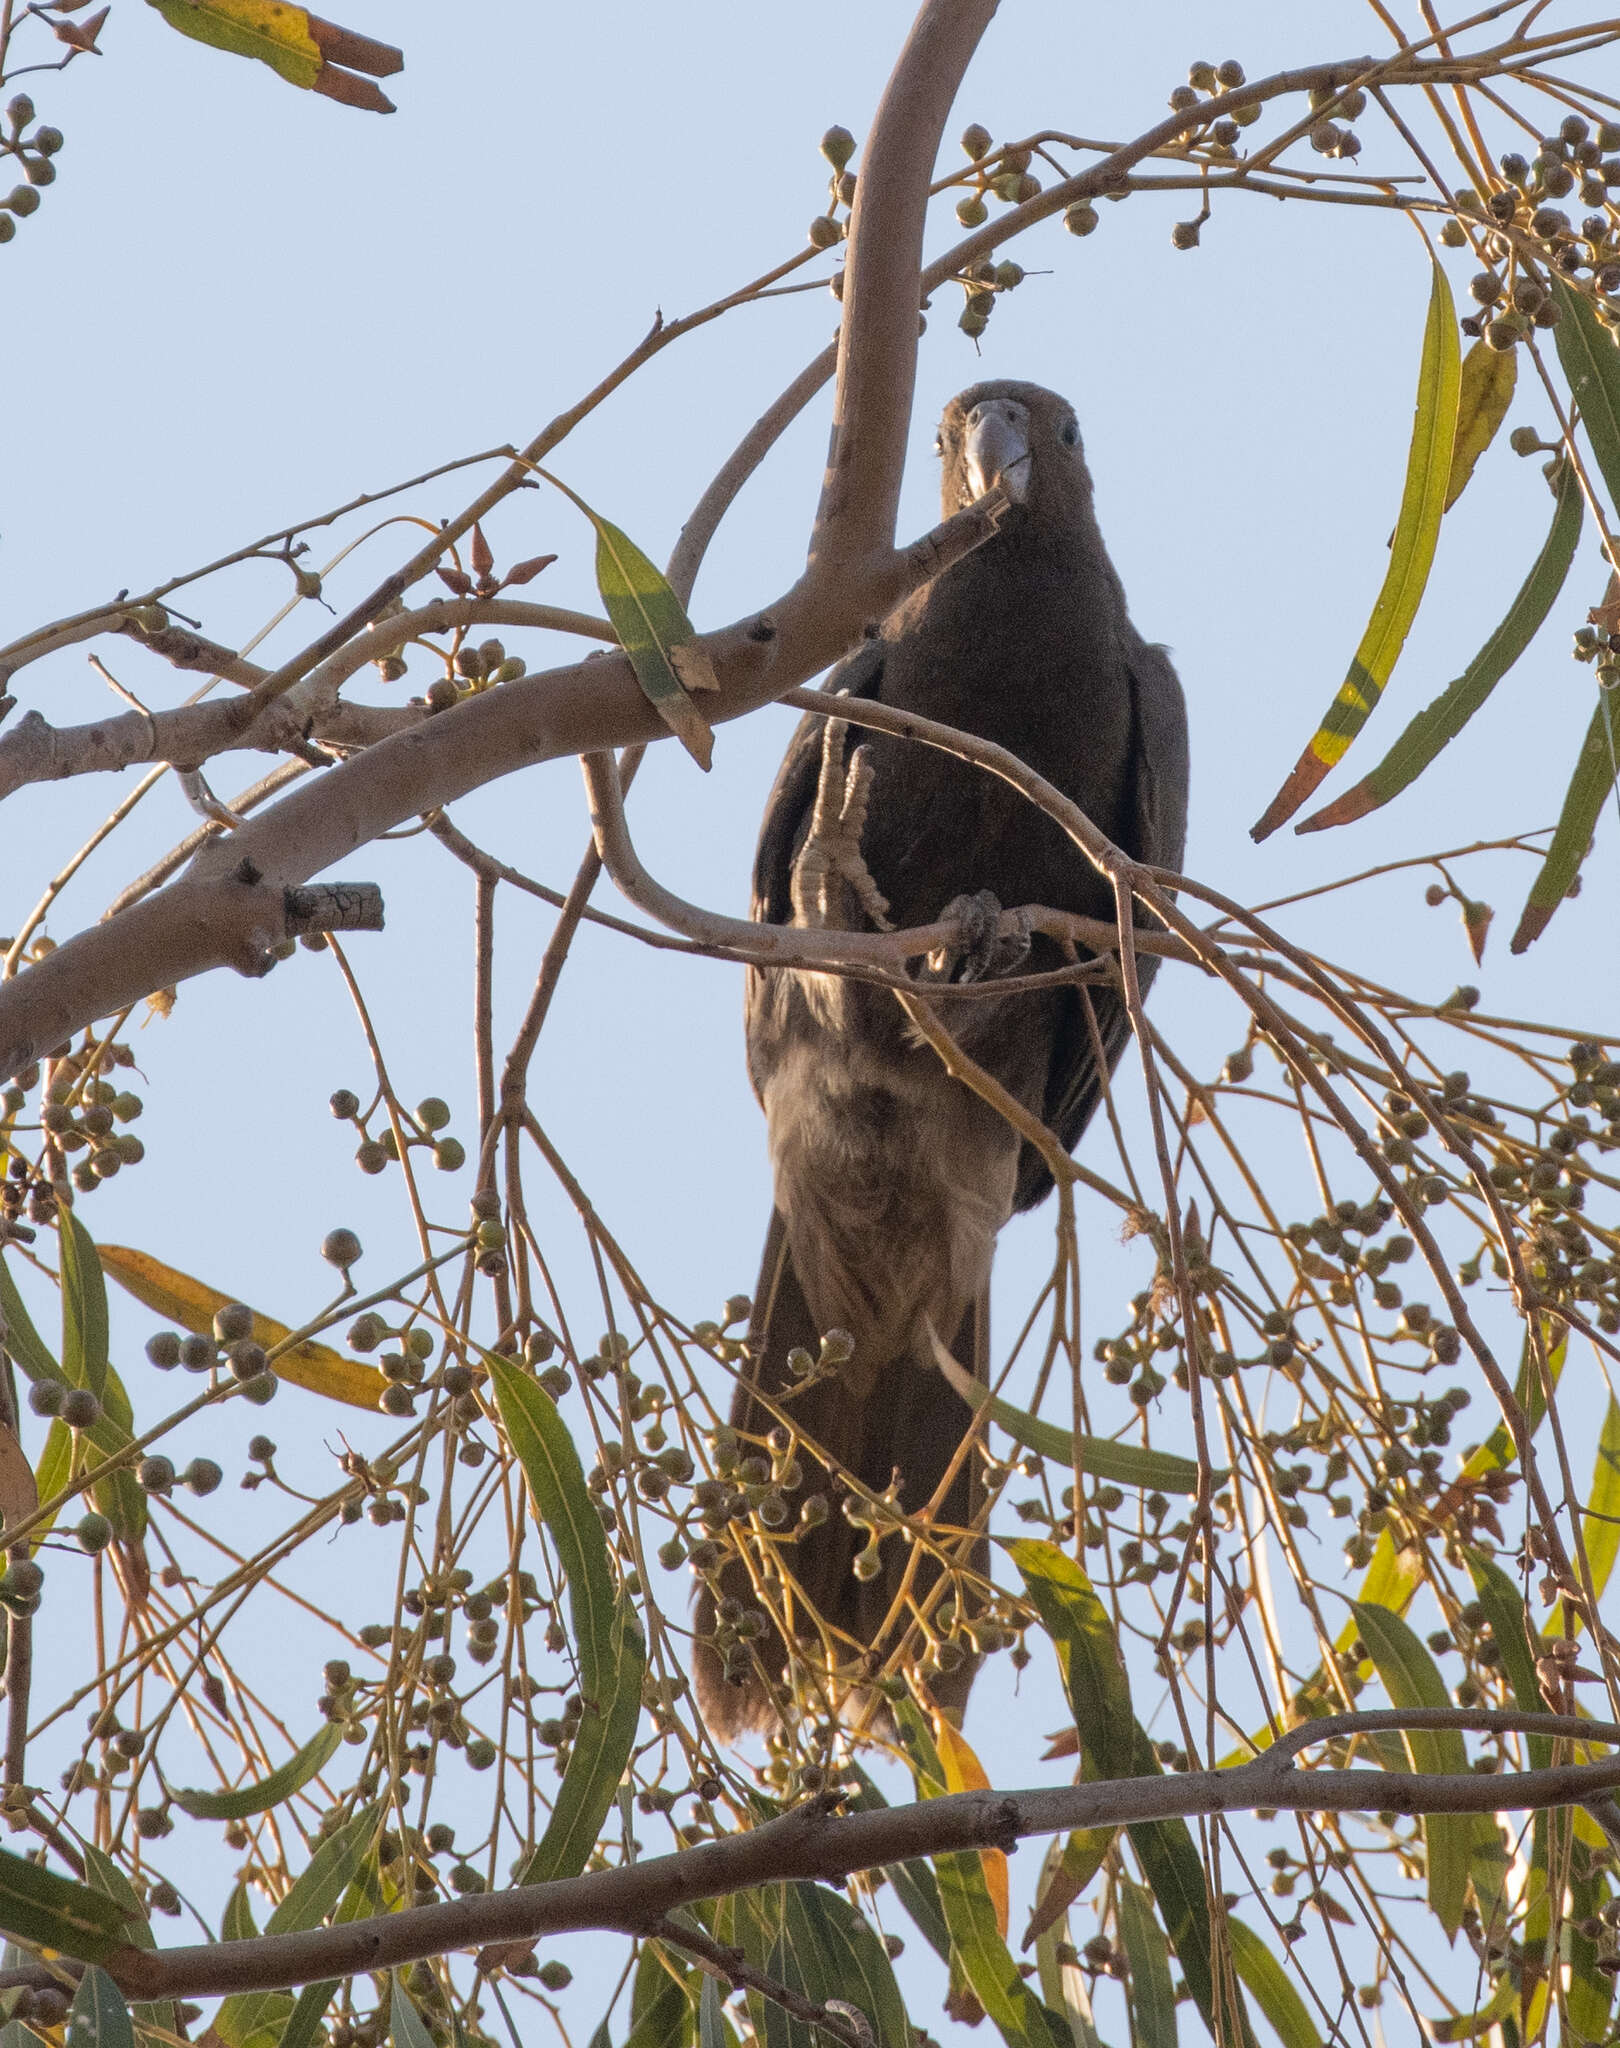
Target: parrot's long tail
{"x":911,"y":1424}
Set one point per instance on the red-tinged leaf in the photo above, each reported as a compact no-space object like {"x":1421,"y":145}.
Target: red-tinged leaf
{"x":483,"y":559}
{"x":526,"y":572}
{"x":1588,"y":791}
{"x":457,"y":579}
{"x":360,"y":53}
{"x":1439,"y":722}
{"x":350,"y":90}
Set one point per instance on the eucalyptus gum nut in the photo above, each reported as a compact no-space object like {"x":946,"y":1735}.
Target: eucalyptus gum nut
{"x":260,"y":1391}
{"x":20,"y":111}
{"x":1246,"y":117}
{"x":155,"y":1474}
{"x":340,"y":1248}
{"x":1183,"y":100}
{"x":971,"y":211}
{"x":1451,"y":234}
{"x":232,"y":1322}
{"x":972,"y":323}
{"x":202,"y":1476}
{"x":449,"y":1155}
{"x":1184,"y":235}
{"x":442,"y":694}
{"x":93,"y":1532}
{"x":823,"y":232}
{"x":1202,"y":74}
{"x":1559,"y":180}
{"x":23,"y":201}
{"x":45,"y":1397}
{"x":976,"y":141}
{"x":370,"y":1157}
{"x":1485,"y":288}
{"x":1226,"y":131}
{"x":8,"y":227}
{"x":40,"y":170}
{"x":344,"y":1103}
{"x":838,"y":146}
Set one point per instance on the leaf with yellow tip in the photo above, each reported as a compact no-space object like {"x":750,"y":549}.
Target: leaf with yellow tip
{"x":317,"y":1368}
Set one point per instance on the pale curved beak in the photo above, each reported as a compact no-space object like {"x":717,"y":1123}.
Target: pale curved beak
{"x":997,"y":448}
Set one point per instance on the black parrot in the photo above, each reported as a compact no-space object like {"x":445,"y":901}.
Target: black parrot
{"x":892,"y":1180}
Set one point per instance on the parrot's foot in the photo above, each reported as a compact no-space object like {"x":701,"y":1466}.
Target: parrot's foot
{"x":982,"y":951}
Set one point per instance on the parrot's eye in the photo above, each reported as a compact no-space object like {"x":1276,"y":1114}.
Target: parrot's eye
{"x":1069,"y":433}
{"x":939,"y":444}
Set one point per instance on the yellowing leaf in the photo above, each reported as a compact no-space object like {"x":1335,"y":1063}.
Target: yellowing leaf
{"x":192,"y":1304}
{"x":965,"y":1773}
{"x":298,"y":46}
{"x":1428,"y":470}
{"x":1484,"y":395}
{"x":274,"y":33}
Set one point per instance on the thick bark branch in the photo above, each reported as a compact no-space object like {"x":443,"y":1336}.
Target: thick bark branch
{"x":814,"y":1842}
{"x":877,"y":347}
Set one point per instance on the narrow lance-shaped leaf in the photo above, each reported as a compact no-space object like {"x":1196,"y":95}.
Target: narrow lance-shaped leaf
{"x":84,"y":1307}
{"x":1099,"y":1695}
{"x":1152,"y":1995}
{"x":405,"y":2023}
{"x":1596,"y":774}
{"x":913,"y":1882}
{"x":1099,"y":1457}
{"x":53,"y":1912}
{"x":299,"y":47}
{"x":607,"y":1636}
{"x":103,"y":1875}
{"x":830,"y":1953}
{"x":1268,"y":1984}
{"x":242,"y":1800}
{"x":1017,"y":2014}
{"x":1428,"y":471}
{"x":1601,"y":1524}
{"x":246,"y":2016}
{"x":1484,"y":393}
{"x":1175,"y":1871}
{"x":653,"y":630}
{"x":1438,"y":723}
{"x":1591,"y":361}
{"x":1412,"y":1679}
{"x":193,"y":1304}
{"x":99,"y":2016}
{"x":1510,"y":1631}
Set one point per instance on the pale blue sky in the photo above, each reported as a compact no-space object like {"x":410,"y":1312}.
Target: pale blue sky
{"x":240,"y":303}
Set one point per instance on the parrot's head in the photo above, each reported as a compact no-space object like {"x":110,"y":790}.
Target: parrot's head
{"x":1018,"y":435}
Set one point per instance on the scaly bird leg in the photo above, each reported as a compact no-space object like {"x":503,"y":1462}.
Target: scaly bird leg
{"x":830,"y":867}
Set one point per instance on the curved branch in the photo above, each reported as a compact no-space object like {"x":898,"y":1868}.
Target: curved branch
{"x":813,"y":1842}
{"x":877,"y":344}
{"x":227,"y":909}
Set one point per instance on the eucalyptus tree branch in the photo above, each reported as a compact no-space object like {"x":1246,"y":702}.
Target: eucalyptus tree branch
{"x":820,"y":950}
{"x":815,"y":1842}
{"x":877,"y":343}
{"x":191,"y":734}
